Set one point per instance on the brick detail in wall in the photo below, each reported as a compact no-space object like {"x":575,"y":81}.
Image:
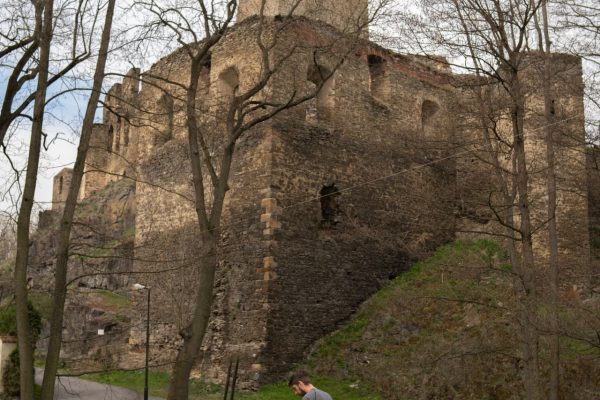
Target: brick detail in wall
{"x":271,"y":224}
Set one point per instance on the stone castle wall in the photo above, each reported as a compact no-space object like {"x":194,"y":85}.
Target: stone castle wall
{"x":567,"y":127}
{"x":352,"y":17}
{"x":328,"y":200}
{"x":478,"y":182}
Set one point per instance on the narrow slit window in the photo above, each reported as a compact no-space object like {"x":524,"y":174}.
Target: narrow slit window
{"x":329,"y":206}
{"x":111,"y":134}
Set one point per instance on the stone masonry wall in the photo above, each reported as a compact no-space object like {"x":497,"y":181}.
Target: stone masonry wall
{"x":387,"y":208}
{"x":327,"y":201}
{"x":352,"y":17}
{"x":478,"y":179}
{"x":570,"y":164}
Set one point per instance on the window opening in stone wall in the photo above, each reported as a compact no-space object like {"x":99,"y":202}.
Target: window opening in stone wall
{"x":208,"y":63}
{"x":322,"y":104}
{"x":204,"y":80}
{"x":429,"y":110}
{"x":376,"y":74}
{"x":329,"y":206}
{"x":229,"y":85}
{"x":111,"y":138}
{"x":60,"y":185}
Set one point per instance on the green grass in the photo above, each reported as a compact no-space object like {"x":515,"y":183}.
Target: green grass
{"x":159,"y":383}
{"x":112,"y":299}
{"x":418,"y":317}
{"x":337,"y":388}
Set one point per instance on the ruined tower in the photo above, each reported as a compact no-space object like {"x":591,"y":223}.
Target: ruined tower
{"x":347,"y":15}
{"x":60,"y":188}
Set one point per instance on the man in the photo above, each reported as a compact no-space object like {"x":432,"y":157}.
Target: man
{"x":300,"y":384}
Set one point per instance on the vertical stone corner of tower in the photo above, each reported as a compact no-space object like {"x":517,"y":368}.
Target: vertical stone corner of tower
{"x":60,"y":188}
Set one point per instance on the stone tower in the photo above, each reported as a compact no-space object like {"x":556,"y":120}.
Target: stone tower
{"x":347,"y":15}
{"x":60,"y":188}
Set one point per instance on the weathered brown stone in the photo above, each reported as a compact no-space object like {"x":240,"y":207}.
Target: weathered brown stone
{"x":391,"y":133}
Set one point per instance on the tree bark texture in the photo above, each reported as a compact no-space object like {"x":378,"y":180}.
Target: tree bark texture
{"x":66,"y":223}
{"x":45,"y":14}
{"x":529,"y":334}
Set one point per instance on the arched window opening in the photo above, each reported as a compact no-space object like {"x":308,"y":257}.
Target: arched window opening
{"x":60,"y":185}
{"x":322,"y":104}
{"x":329,"y":206}
{"x":229,"y":85}
{"x":429,"y":111}
{"x":377,"y":75}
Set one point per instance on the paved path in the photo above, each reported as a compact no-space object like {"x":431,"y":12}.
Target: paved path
{"x":74,"y":388}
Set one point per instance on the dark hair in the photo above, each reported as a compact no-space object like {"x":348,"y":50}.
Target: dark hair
{"x":299,"y":376}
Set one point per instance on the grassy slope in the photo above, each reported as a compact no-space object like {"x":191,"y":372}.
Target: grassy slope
{"x":447,"y":330}
{"x":418,"y":337}
{"x":444,"y":330}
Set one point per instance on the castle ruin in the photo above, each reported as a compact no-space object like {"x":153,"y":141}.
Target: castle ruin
{"x":328,"y":200}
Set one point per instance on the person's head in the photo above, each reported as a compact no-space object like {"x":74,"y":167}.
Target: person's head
{"x":300,"y":382}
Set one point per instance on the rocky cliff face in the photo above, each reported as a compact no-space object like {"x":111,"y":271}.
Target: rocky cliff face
{"x":99,"y":275}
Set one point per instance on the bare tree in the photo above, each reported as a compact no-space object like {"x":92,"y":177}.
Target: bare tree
{"x":45,"y":18}
{"x":38,"y":53}
{"x":492,"y":41}
{"x":66,"y":223}
{"x":20,"y":45}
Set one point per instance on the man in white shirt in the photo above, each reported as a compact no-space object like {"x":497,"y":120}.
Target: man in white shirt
{"x":300,"y":384}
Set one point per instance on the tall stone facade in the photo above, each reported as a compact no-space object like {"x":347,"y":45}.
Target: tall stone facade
{"x":328,"y":200}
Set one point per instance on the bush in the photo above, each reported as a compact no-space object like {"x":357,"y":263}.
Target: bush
{"x":8,"y":326}
{"x":11,"y":376}
{"x":8,"y":321}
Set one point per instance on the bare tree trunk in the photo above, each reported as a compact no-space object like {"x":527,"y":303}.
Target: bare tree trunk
{"x":66,"y":223}
{"x":527,"y":265}
{"x":193,"y":334}
{"x":14,"y":84}
{"x":544,"y":45}
{"x":44,"y":14}
{"x":551,"y":187}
